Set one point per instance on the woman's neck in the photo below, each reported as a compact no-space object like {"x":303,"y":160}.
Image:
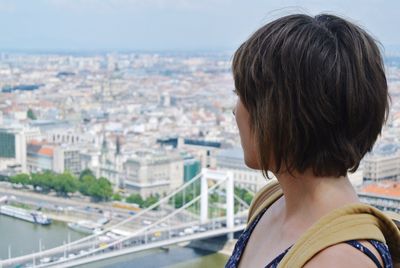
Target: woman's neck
{"x":308,"y":197}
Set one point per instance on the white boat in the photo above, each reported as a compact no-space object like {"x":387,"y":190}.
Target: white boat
{"x":23,"y":214}
{"x":103,"y":221}
{"x":86,"y":227}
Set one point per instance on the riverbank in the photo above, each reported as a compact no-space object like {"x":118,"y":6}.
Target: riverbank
{"x":228,"y":248}
{"x":219,"y":245}
{"x":55,"y":207}
{"x":63,"y":217}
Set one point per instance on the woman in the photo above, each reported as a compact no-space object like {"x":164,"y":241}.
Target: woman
{"x":312,"y":99}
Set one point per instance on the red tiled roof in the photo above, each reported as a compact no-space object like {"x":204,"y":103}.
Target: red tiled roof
{"x":46,"y":151}
{"x":388,"y":188}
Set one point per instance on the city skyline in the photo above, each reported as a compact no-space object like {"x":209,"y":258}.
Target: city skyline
{"x":133,"y":151}
{"x":159,"y":25}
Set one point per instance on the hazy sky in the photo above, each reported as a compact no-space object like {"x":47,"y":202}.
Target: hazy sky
{"x":170,"y":24}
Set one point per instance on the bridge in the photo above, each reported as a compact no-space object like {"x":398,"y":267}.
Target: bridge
{"x":208,"y":207}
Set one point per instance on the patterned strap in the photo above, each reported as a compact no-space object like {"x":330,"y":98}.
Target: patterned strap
{"x":274,"y":263}
{"x":365,"y":250}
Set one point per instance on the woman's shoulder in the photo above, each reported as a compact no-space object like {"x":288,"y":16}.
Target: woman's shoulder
{"x":356,"y":255}
{"x":264,"y":198}
{"x":325,"y":244}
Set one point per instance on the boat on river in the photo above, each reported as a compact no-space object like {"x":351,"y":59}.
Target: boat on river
{"x":87,"y":227}
{"x":24,"y":214}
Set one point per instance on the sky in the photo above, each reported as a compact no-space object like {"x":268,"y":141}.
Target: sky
{"x":170,"y":25}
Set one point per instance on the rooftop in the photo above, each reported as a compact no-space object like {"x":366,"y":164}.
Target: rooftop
{"x":384,"y":188}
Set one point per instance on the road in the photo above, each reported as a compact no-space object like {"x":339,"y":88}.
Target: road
{"x":75,"y":204}
{"x":74,"y":208}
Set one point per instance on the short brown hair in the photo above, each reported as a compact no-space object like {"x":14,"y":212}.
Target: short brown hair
{"x":316,"y":92}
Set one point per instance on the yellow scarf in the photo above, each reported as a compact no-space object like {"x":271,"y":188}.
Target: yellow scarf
{"x":353,"y":221}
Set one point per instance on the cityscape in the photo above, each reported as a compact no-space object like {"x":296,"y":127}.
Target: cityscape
{"x":119,"y":139}
{"x":111,"y":153}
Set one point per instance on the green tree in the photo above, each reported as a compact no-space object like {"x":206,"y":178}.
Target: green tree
{"x":30,"y":114}
{"x":86,"y":172}
{"x":152,"y":199}
{"x":116,"y":197}
{"x":85,"y":183}
{"x":244,"y":194}
{"x":36,"y":180}
{"x":65,"y":183}
{"x":247,"y":198}
{"x":101,"y":189}
{"x":135,"y":198}
{"x":22,"y":178}
{"x":189,"y":195}
{"x":44,"y":180}
{"x":177,"y":200}
{"x":214,"y":197}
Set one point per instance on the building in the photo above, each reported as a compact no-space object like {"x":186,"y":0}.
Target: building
{"x":67,"y":158}
{"x":32,"y":134}
{"x":13,"y":145}
{"x":382,"y":163}
{"x":153,"y":172}
{"x":43,"y":156}
{"x":233,"y":159}
{"x":204,"y":150}
{"x":384,"y":194}
{"x":106,"y":163}
{"x":90,"y":159}
{"x":165,"y":99}
{"x":168,"y":142}
{"x":39,"y":157}
{"x":191,"y":167}
{"x":64,"y":137}
{"x":385,"y":203}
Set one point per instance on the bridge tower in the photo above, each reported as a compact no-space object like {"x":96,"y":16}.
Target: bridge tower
{"x":229,"y":188}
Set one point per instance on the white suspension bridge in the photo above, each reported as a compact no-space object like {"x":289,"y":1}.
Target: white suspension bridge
{"x":212,"y":209}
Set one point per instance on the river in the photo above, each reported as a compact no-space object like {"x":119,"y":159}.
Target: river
{"x":20,"y":237}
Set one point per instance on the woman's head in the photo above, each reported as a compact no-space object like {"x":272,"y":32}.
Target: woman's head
{"x":315,"y":94}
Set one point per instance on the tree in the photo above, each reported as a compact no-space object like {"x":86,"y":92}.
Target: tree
{"x":22,"y":178}
{"x":248,"y":197}
{"x":86,"y":172}
{"x":65,"y":183}
{"x":177,"y":201}
{"x":30,"y":114}
{"x":135,"y":198}
{"x":152,"y":199}
{"x":85,"y":183}
{"x":44,"y":180}
{"x":116,"y":197}
{"x":101,"y":189}
{"x":98,"y":189}
{"x":244,"y":194}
